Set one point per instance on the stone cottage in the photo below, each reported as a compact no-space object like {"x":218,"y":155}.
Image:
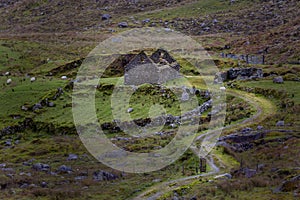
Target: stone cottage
{"x":159,"y":68}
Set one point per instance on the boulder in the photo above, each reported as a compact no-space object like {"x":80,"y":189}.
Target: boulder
{"x":249,"y":172}
{"x":260,"y":127}
{"x":64,"y":169}
{"x":278,"y":80}
{"x":130,"y":110}
{"x":72,"y":157}
{"x":37,"y":106}
{"x":146,"y":20}
{"x":106,"y":17}
{"x":51,"y":104}
{"x":280,"y":123}
{"x":41,"y":167}
{"x":123,"y":25}
{"x":24,"y":108}
{"x":44,"y":184}
{"x":8,"y":142}
{"x":104,"y":176}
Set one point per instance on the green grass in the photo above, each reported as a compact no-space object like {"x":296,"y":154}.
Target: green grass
{"x":196,"y":9}
{"x":291,"y":87}
{"x":13,"y":96}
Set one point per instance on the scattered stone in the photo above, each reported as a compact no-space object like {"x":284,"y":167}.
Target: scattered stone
{"x":23,"y":186}
{"x":146,"y":21}
{"x":123,"y":25}
{"x":2,"y":165}
{"x":106,"y":17}
{"x":280,"y":123}
{"x":64,"y":169}
{"x":288,"y":185}
{"x":24,"y":108}
{"x":278,"y":80}
{"x":7,"y":169}
{"x":44,"y":184}
{"x":260,"y":128}
{"x":41,"y":167}
{"x":249,"y":172}
{"x":247,"y":130}
{"x":80,"y":178}
{"x":51,"y":104}
{"x":104,"y":176}
{"x":130,"y":110}
{"x":72,"y":157}
{"x":37,"y":106}
{"x":156,"y":180}
{"x":25,"y":174}
{"x":8,"y":142}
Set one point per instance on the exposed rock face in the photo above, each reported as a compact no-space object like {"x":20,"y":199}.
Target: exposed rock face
{"x":239,"y":73}
{"x":241,"y":141}
{"x":104,"y":176}
{"x":278,"y":80}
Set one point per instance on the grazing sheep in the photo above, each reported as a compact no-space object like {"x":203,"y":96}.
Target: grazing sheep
{"x":223,"y":88}
{"x":8,"y":81}
{"x":7,"y":74}
{"x":32,"y":79}
{"x":64,"y":77}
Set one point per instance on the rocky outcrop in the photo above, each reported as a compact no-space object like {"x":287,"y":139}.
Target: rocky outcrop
{"x":239,"y":74}
{"x":242,"y":141}
{"x":278,"y":80}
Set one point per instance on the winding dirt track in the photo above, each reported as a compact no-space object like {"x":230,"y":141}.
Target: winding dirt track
{"x":263,"y":107}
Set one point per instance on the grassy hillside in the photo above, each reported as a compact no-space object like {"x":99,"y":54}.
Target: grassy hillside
{"x":47,"y":39}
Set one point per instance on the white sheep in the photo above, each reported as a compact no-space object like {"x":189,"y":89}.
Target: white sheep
{"x":32,"y":79}
{"x":8,"y":81}
{"x":223,"y":88}
{"x":7,"y":73}
{"x":64,"y":77}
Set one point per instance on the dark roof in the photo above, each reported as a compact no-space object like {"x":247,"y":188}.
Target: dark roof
{"x":161,"y":53}
{"x":139,"y":59}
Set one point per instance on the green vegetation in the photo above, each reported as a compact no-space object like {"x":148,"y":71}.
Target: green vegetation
{"x":39,"y":37}
{"x":194,"y":9}
{"x":292,"y":88}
